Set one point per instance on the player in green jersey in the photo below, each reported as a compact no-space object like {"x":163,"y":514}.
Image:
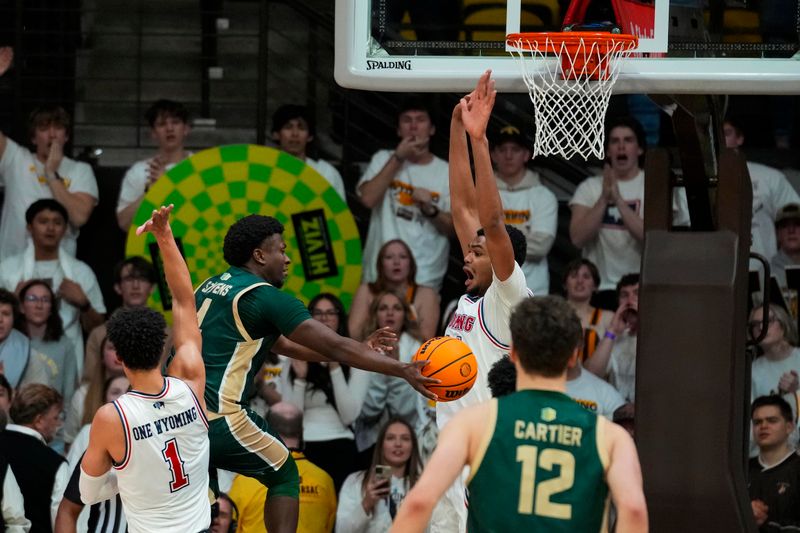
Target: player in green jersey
{"x":538,"y":460}
{"x":243,"y":315}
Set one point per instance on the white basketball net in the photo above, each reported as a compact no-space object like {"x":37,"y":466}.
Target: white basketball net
{"x":570,"y":92}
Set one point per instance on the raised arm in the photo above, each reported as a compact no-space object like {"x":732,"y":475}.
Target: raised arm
{"x":188,"y":361}
{"x":475,"y":115}
{"x":463,"y":201}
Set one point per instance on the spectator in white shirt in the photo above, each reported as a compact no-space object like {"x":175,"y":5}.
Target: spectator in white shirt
{"x":408,"y":191}
{"x":169,"y":127}
{"x":293,"y":130}
{"x":45,"y":173}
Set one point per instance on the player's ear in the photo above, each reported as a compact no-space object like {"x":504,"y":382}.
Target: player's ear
{"x":512,"y":355}
{"x":573,"y":359}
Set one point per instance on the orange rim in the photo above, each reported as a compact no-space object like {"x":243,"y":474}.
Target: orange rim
{"x":550,"y":41}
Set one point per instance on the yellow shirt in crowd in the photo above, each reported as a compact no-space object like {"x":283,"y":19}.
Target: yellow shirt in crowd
{"x":317,"y":500}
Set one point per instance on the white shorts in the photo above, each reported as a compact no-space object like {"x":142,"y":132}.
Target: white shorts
{"x":450,"y":514}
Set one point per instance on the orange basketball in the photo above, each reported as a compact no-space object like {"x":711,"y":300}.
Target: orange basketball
{"x":450,"y":361}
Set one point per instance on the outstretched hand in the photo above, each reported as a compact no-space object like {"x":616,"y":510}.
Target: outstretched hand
{"x":382,"y":340}
{"x":6,"y":58}
{"x":476,"y":108}
{"x":412,"y":372}
{"x":158,"y":224}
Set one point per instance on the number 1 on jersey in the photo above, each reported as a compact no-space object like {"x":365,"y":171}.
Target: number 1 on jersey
{"x":172,"y":456}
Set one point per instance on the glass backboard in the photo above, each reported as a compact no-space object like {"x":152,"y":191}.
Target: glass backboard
{"x":685,"y":46}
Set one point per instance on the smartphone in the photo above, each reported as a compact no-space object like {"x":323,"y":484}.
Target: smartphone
{"x":382,"y":472}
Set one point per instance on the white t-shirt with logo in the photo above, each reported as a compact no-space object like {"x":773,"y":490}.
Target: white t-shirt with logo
{"x":397,"y":217}
{"x":23,"y":178}
{"x":614,"y":250}
{"x":135,"y":181}
{"x":331,"y":175}
{"x":596,"y":395}
{"x":766,"y":374}
{"x":771,"y":191}
{"x":531,"y":208}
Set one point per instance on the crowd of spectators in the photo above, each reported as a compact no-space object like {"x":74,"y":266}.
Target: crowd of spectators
{"x":360,"y":439}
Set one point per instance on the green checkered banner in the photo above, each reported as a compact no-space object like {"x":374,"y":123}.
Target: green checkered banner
{"x":214,"y":188}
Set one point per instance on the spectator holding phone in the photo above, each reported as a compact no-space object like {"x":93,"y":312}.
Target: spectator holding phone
{"x":369,"y":499}
{"x":615,"y":356}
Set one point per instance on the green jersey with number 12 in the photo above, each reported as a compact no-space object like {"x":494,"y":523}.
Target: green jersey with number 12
{"x":539,"y":468}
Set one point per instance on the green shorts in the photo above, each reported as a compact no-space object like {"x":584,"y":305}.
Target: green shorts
{"x":244,"y":443}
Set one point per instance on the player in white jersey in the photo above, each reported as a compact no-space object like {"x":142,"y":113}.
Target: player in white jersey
{"x":493,"y":253}
{"x":155,"y":436}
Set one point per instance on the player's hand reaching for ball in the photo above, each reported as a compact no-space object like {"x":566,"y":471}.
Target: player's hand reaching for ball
{"x":377,"y":490}
{"x":158,"y":224}
{"x":412,"y":372}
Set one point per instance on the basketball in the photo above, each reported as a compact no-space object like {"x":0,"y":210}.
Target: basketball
{"x":450,"y":361}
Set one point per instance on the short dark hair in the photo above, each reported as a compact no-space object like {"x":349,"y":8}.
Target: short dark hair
{"x":287,"y":426}
{"x":288,"y":112}
{"x":139,"y":267}
{"x":544,"y":334}
{"x":32,"y":400}
{"x":776,"y":400}
{"x":628,"y":280}
{"x":247,"y":234}
{"x":9,"y":298}
{"x":502,"y":377}
{"x":415,"y":102}
{"x":138,"y":336}
{"x":518,"y":242}
{"x":170,"y":108}
{"x":54,"y":329}
{"x":635,"y":126}
{"x":576,"y":264}
{"x":736,"y":123}
{"x":45,"y":204}
{"x":46,"y":115}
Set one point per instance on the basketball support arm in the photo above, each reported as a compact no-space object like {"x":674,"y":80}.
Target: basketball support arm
{"x":692,"y":377}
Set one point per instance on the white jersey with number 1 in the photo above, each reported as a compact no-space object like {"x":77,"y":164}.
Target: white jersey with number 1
{"x":163,"y":478}
{"x":483,"y":324}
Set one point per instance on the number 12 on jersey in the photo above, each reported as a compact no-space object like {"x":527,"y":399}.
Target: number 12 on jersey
{"x":172,"y":456}
{"x":534,"y":498}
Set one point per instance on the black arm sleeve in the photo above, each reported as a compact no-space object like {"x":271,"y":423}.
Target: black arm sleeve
{"x":73,"y":491}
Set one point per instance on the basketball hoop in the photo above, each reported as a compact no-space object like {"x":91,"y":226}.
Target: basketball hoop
{"x":570,"y":96}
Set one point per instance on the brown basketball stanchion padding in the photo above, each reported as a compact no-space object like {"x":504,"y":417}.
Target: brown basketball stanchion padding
{"x":692,"y":377}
